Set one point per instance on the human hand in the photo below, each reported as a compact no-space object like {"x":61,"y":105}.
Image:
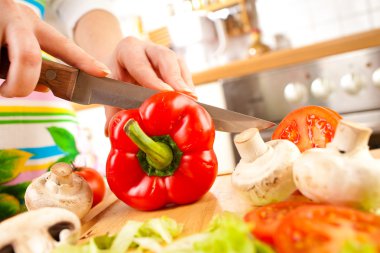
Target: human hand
{"x":24,"y":35}
{"x":149,"y":65}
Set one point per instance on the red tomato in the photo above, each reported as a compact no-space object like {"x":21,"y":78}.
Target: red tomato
{"x":96,"y":182}
{"x":265,"y":220}
{"x":308,"y":127}
{"x":325,"y":229}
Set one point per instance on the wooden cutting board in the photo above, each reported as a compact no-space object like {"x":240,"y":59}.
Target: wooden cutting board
{"x":112,"y":214}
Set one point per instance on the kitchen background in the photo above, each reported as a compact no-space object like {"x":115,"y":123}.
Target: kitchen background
{"x":207,"y":37}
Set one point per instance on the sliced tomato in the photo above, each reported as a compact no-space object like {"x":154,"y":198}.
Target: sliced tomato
{"x":325,"y":229}
{"x":308,"y":127}
{"x":265,"y":220}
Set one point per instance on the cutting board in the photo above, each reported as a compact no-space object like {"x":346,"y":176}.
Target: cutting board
{"x":112,"y":214}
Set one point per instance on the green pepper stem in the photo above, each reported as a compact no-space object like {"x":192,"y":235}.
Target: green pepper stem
{"x":159,"y":155}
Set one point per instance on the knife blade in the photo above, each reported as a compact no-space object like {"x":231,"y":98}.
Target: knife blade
{"x":76,"y":86}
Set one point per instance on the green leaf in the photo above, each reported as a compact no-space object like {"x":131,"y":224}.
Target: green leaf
{"x":9,"y":206}
{"x":12,"y":163}
{"x":354,"y":246}
{"x":64,"y":140}
{"x":17,"y":190}
{"x":104,"y":241}
{"x":163,"y":228}
{"x":229,"y":234}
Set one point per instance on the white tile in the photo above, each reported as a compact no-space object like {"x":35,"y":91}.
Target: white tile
{"x":356,"y":24}
{"x":374,"y":4}
{"x":347,"y":8}
{"x":376,"y":18}
{"x":327,"y":31}
{"x":301,"y":37}
{"x":298,"y":16}
{"x":323,"y":10}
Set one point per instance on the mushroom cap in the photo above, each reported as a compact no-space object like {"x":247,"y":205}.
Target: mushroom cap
{"x":38,"y":231}
{"x":328,"y":176}
{"x":60,"y":188}
{"x":269,"y":177}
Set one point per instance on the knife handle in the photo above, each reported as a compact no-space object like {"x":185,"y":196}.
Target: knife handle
{"x":59,"y":78}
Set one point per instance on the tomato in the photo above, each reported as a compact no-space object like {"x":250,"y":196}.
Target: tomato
{"x":308,"y":127}
{"x":96,"y":182}
{"x":325,"y":229}
{"x":265,"y":220}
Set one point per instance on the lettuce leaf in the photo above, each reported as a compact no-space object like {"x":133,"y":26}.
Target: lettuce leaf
{"x":227,"y":233}
{"x":141,"y":235}
{"x":358,"y":247}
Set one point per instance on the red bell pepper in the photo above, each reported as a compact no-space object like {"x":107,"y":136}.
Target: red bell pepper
{"x":162,"y":153}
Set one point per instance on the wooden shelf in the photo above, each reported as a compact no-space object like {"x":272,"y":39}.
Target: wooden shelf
{"x":289,"y":57}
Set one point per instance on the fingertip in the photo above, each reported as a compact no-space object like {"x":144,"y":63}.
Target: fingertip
{"x":190,"y":94}
{"x":165,"y":87}
{"x":42,"y":88}
{"x":105,"y":71}
{"x":3,"y":91}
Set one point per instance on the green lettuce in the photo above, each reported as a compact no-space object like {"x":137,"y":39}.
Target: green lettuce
{"x":138,"y":235}
{"x":358,"y":247}
{"x":227,"y":233}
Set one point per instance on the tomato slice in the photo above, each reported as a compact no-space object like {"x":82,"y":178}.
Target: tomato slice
{"x":308,"y":127}
{"x":325,"y":229}
{"x":264,"y":220}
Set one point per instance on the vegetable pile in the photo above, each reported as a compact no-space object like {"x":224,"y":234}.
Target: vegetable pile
{"x":333,"y":170}
{"x":226,"y":233}
{"x":335,"y":165}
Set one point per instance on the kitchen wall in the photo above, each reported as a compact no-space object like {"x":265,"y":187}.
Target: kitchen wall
{"x":301,"y":21}
{"x":308,"y":21}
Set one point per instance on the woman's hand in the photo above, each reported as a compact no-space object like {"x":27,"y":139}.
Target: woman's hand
{"x":24,"y":35}
{"x":149,"y":65}
{"x":130,"y":59}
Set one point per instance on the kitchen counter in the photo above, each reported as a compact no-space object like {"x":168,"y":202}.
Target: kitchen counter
{"x":195,"y":217}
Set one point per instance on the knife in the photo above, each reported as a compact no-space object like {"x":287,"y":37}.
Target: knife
{"x":76,"y":86}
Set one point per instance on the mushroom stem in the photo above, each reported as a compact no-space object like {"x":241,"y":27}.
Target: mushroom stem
{"x":350,"y":136}
{"x":61,"y":173}
{"x":250,"y":145}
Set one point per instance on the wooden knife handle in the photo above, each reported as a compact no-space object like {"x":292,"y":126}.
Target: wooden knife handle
{"x":58,"y":77}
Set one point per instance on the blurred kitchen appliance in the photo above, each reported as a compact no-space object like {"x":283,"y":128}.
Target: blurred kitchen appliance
{"x":348,"y":83}
{"x":194,"y":37}
{"x":212,"y":35}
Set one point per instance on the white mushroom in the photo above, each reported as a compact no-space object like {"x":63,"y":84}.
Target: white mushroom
{"x":264,"y":172}
{"x":344,"y":172}
{"x":39,"y":231}
{"x":60,"y":188}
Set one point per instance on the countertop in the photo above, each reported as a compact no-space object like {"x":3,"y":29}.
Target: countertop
{"x":113,"y":213}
